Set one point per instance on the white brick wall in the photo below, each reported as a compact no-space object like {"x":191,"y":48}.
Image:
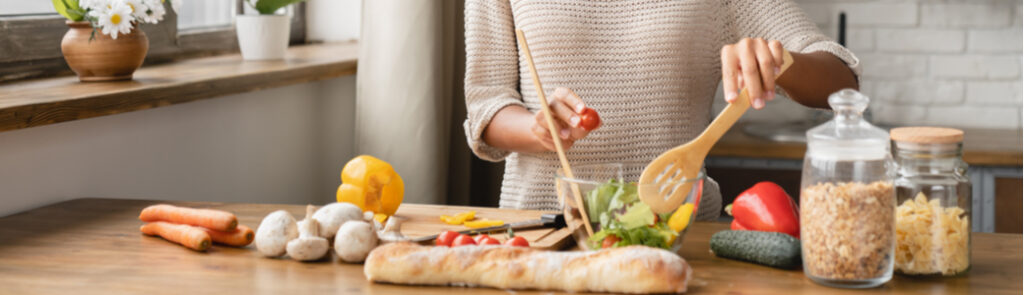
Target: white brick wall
{"x":933,"y":62}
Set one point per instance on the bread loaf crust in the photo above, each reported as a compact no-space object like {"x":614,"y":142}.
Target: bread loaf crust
{"x":634,"y":269}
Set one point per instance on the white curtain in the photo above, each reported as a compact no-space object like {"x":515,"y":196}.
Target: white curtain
{"x":404,"y":91}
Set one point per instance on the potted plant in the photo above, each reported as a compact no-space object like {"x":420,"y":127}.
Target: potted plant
{"x":264,"y":36}
{"x":104,"y":42}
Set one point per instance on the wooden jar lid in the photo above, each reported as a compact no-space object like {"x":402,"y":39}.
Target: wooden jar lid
{"x":926,"y":135}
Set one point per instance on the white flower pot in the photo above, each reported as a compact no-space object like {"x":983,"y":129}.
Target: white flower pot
{"x":262,"y":37}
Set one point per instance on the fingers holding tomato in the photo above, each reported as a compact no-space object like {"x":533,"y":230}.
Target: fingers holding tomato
{"x":573,"y":119}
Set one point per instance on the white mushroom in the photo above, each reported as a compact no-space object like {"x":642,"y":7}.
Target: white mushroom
{"x":309,"y":245}
{"x":332,"y":216}
{"x":355,"y":240}
{"x":276,"y":229}
{"x":392,"y":232}
{"x":368,"y":216}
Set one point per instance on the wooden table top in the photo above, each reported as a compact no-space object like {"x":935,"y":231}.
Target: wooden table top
{"x":88,"y":246}
{"x":981,"y":146}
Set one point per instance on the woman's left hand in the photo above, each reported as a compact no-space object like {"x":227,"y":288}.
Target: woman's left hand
{"x":752,"y":64}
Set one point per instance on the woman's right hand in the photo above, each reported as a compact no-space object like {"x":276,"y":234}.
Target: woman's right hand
{"x":567,"y":110}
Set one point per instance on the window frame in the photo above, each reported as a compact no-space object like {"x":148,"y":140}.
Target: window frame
{"x":30,"y":44}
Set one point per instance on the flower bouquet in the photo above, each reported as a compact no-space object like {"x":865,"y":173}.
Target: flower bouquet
{"x":120,"y":47}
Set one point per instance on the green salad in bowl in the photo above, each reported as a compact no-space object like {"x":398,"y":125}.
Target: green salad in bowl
{"x":618,"y":217}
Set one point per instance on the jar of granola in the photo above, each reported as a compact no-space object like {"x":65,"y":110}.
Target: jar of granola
{"x":847,"y":202}
{"x":933,"y":195}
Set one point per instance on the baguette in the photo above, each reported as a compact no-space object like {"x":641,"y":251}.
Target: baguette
{"x":634,"y":269}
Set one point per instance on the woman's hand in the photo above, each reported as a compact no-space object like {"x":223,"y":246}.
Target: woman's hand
{"x":752,"y":64}
{"x":567,"y":110}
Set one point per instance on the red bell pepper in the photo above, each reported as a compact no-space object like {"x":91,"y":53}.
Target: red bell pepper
{"x":765,"y":207}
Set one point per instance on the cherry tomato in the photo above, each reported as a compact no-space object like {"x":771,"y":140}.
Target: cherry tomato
{"x":480,"y":237}
{"x":488,"y":241}
{"x":609,"y":241}
{"x":589,"y":119}
{"x":446,"y":238}
{"x":518,"y":242}
{"x":463,"y":240}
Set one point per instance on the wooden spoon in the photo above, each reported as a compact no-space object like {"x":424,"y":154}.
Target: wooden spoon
{"x":566,"y":169}
{"x":685,"y":161}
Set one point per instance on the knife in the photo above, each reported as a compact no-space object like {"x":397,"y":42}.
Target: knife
{"x":546,"y":220}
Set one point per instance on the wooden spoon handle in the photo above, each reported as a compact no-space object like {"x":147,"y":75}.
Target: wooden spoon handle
{"x":566,"y":169}
{"x":731,"y":114}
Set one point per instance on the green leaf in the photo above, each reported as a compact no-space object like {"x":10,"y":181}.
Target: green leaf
{"x":69,"y":9}
{"x":638,"y":215}
{"x":270,"y":6}
{"x":59,"y":6}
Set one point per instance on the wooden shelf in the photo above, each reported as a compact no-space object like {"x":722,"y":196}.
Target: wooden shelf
{"x":38,"y":102}
{"x":991,"y":147}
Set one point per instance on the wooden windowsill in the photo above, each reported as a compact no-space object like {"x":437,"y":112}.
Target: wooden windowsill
{"x":38,"y":102}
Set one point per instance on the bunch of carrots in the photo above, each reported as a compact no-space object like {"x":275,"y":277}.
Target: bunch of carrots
{"x":194,"y":228}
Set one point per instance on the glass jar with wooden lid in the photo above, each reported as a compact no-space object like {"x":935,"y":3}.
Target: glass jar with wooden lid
{"x":933,"y":195}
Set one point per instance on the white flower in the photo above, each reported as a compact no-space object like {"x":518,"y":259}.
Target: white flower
{"x":116,"y":18}
{"x":154,"y":11}
{"x":138,"y":11}
{"x":93,"y":5}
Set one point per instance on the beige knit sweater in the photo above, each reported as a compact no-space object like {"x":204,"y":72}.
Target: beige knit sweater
{"x":649,"y":67}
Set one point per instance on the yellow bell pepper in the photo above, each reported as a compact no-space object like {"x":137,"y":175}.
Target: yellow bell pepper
{"x":681,"y":218}
{"x":372,"y":185}
{"x":483,"y":223}
{"x":458,"y":219}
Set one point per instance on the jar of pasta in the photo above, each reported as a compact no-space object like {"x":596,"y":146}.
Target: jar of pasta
{"x":847,"y":200}
{"x":933,"y":194}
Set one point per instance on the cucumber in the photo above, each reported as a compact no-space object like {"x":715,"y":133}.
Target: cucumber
{"x":767,"y":248}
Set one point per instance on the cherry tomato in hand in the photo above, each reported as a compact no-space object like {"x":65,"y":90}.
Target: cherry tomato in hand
{"x":518,"y":242}
{"x":463,"y":240}
{"x":589,"y":119}
{"x":446,"y":238}
{"x":609,"y":241}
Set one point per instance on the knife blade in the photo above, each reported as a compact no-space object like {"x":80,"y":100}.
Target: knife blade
{"x":546,"y":220}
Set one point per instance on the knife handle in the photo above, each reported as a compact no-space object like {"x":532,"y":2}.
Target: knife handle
{"x":553,"y":220}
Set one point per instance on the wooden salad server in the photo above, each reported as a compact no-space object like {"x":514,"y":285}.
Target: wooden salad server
{"x":546,"y":109}
{"x":685,"y":161}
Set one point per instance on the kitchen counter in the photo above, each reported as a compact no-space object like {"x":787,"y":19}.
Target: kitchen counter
{"x":89,"y":246}
{"x":992,"y":147}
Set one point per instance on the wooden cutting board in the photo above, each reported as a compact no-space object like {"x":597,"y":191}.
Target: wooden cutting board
{"x":423,"y":220}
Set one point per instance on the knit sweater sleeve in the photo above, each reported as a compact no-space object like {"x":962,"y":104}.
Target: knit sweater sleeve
{"x":782,"y":20}
{"x":492,"y":70}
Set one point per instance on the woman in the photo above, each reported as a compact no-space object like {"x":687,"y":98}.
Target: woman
{"x":649,"y":68}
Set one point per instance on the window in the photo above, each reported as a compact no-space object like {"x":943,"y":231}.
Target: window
{"x":205,"y":14}
{"x":22,"y":7}
{"x":31,"y":31}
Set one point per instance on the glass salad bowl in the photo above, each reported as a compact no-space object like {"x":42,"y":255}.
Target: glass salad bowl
{"x":617,"y":215}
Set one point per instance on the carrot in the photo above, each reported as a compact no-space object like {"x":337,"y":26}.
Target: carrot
{"x":240,"y":237}
{"x":208,"y":218}
{"x":189,"y":236}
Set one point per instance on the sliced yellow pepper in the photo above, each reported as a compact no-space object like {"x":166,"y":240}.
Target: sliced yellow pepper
{"x":681,"y":218}
{"x":372,"y":185}
{"x":380,"y":217}
{"x":483,"y":223}
{"x":458,"y":219}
